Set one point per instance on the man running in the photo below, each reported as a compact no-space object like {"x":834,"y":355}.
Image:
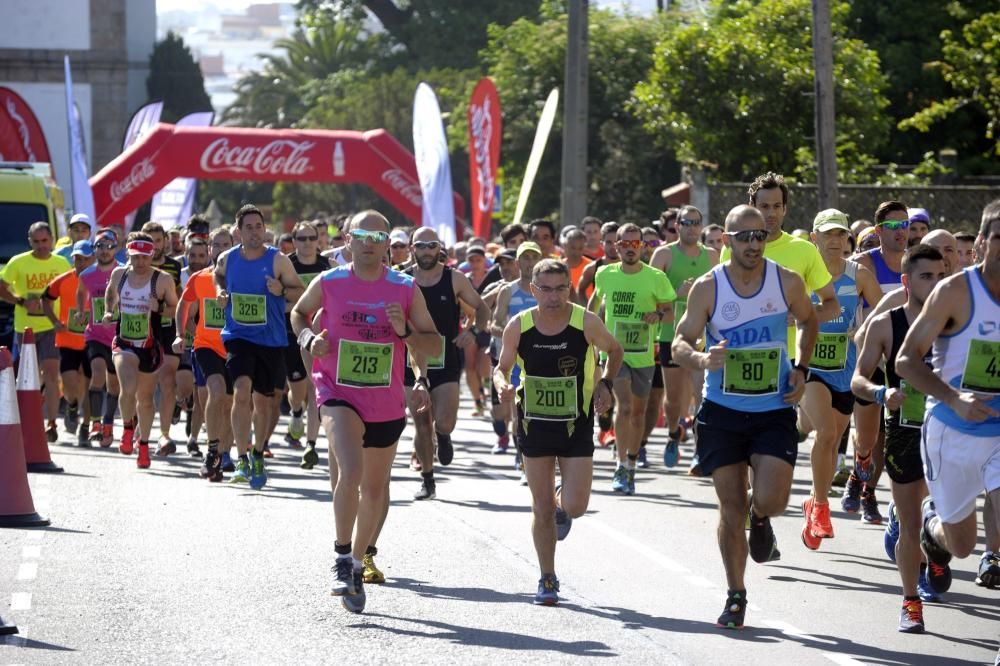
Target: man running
{"x":367,"y":314}
{"x":500,"y":413}
{"x":683,"y":261}
{"x":922,"y":268}
{"x":254,"y":282}
{"x":138,"y":294}
{"x":575,"y":260}
{"x":554,"y":345}
{"x":196,"y":257}
{"x":594,"y":247}
{"x":609,"y":239}
{"x":828,"y":402}
{"x":636,"y":297}
{"x":747,"y":418}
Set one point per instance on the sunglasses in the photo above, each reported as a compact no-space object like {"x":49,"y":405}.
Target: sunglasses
{"x":398,"y":246}
{"x":373,"y":237}
{"x":551,"y":290}
{"x":758,"y":235}
{"x":307,"y":239}
{"x":688,"y":222}
{"x":895,"y":225}
{"x":105,"y":246}
{"x":652,"y":243}
{"x":630,"y":244}
{"x":426,"y":245}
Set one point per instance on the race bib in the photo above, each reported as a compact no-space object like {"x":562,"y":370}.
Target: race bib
{"x":633,"y":336}
{"x":71,"y":323}
{"x":830,"y":352}
{"x":97,"y":309}
{"x":215,"y":317}
{"x":364,"y":364}
{"x":550,"y":398}
{"x":134,"y":327}
{"x":307,"y":278}
{"x":437,"y":362}
{"x":249,"y":309}
{"x":36,"y":308}
{"x":166,"y":321}
{"x":751,"y":371}
{"x":982,"y":367}
{"x":911,"y":413}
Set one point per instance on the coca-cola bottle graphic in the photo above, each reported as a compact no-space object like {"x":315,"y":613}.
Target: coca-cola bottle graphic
{"x":338,"y":159}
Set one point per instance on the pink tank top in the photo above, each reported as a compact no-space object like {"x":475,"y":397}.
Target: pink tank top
{"x":365,"y":365}
{"x":95,"y":281}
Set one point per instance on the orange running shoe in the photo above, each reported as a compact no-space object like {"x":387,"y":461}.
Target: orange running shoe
{"x":127,"y":434}
{"x":809,"y":537}
{"x":821,"y":525}
{"x":606,"y":438}
{"x":143,"y":461}
{"x":107,"y":435}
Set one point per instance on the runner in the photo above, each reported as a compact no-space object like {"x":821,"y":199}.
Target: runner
{"x":920,"y":225}
{"x":69,"y":325}
{"x":960,"y":325}
{"x":215,"y":387}
{"x":747,"y":417}
{"x":636,"y":297}
{"x":476,"y":357}
{"x":683,"y":261}
{"x":828,"y":402}
{"x":543,"y":232}
{"x":553,"y":343}
{"x":358,"y":372}
{"x":576,"y":260}
{"x":594,"y":247}
{"x":22,"y":282}
{"x":609,"y":239}
{"x":196,"y":258}
{"x":99,"y":337}
{"x":499,"y":412}
{"x":512,"y":236}
{"x":922,"y":269}
{"x":138,"y":294}
{"x":254,"y":282}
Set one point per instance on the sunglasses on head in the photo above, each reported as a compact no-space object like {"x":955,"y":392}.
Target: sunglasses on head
{"x":307,"y":239}
{"x":758,"y":235}
{"x":630,"y":244}
{"x":426,"y":245}
{"x":894,"y":225}
{"x":374,"y":237}
{"x":688,"y":222}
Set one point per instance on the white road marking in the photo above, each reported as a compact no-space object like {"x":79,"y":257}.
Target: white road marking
{"x":843,"y":659}
{"x":793,"y":631}
{"x":20,"y":601}
{"x":638,"y":547}
{"x":31,"y":552}
{"x":27,"y":571}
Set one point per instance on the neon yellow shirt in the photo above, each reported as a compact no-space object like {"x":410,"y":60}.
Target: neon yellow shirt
{"x":27,"y":277}
{"x":627,"y":297}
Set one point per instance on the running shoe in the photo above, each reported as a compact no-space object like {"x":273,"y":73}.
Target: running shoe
{"x":524,"y":477}
{"x":266,"y":453}
{"x":166,"y":447}
{"x":840,"y":478}
{"x":924,"y":589}
{"x":695,"y":468}
{"x":503,"y":441}
{"x":863,"y":469}
{"x":296,"y":427}
{"x":127,"y":435}
{"x":227,"y":463}
{"x":107,"y":435}
{"x":736,"y":610}
{"x":934,"y":551}
{"x":415,"y":464}
{"x":911,"y":618}
{"x":822,"y":526}
{"x":71,"y":420}
{"x":989,"y":571}
{"x":193,"y":450}
{"x":343,"y":571}
{"x":606,"y":437}
{"x":242,"y":473}
{"x":641,"y":459}
{"x":355,"y":602}
{"x":445,"y":449}
{"x":672,"y":451}
{"x":83,"y":436}
{"x":309,"y":457}
{"x":478,"y":411}
{"x":891,"y":533}
{"x":630,"y":475}
{"x":292,"y":442}
{"x":763,"y":544}
{"x":428,"y":490}
{"x":619,"y":482}
{"x":143,"y":461}
{"x":810,"y":539}
{"x":95,"y":431}
{"x":258,"y":475}
{"x":176,"y":418}
{"x":563,"y":524}
{"x":548,"y":590}
{"x":52,"y":434}
{"x":851,"y":501}
{"x":869,"y":507}
{"x":211,"y":469}
{"x":939,"y":577}
{"x":371,"y":573}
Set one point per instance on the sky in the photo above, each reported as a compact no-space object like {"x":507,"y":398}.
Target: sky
{"x":239,"y":5}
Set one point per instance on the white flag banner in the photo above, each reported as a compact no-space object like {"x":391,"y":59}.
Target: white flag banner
{"x":537,"y":150}
{"x":142,"y":121}
{"x":83,"y":197}
{"x":430,"y":148}
{"x":173,"y":204}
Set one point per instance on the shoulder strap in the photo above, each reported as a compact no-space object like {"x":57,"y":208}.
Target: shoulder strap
{"x":526,"y":320}
{"x":576,"y":316}
{"x":121,"y":282}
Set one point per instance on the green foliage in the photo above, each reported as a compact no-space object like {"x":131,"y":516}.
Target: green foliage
{"x":735,"y":91}
{"x":175,"y":78}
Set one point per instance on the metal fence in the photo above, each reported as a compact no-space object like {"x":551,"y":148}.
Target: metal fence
{"x":954,"y":207}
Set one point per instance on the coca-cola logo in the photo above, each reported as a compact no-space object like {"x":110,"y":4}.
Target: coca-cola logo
{"x":400,"y":182}
{"x":482,"y":133}
{"x":140,"y":173}
{"x":281,"y":157}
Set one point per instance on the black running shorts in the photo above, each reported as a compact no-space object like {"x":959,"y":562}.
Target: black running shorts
{"x":727,"y":436}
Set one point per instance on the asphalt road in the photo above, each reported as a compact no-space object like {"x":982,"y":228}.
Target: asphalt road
{"x":160,"y":567}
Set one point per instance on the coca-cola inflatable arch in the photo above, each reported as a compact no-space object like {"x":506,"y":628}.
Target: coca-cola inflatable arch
{"x":374,"y":158}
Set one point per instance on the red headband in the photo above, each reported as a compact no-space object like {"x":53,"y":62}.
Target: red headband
{"x":141,"y":247}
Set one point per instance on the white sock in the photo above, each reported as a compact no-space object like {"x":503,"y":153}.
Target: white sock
{"x":358,"y":564}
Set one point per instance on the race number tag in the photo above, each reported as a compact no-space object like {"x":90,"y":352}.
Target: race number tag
{"x":249,"y":309}
{"x":307,"y":278}
{"x":633,"y":336}
{"x":35,"y":309}
{"x":134,"y":327}
{"x":830,"y":352}
{"x":550,"y":398}
{"x":364,"y":364}
{"x":72,"y":324}
{"x":751,"y":371}
{"x":911,"y":413}
{"x":437,"y":362}
{"x":215,"y":317}
{"x":97,"y":305}
{"x":982,"y":367}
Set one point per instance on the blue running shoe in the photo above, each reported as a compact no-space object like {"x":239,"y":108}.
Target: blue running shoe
{"x":242,"y":474}
{"x":343,"y":570}
{"x":548,"y":590}
{"x":563,"y":524}
{"x":355,"y":601}
{"x":630,"y":476}
{"x":671,"y":452}
{"x":641,"y":460}
{"x":619,"y":483}
{"x":851,"y":501}
{"x":227,"y":463}
{"x":258,"y":475}
{"x":924,"y":589}
{"x":891,"y":533}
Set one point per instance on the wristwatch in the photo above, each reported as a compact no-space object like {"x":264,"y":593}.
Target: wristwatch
{"x":409,"y":332}
{"x":802,"y":368}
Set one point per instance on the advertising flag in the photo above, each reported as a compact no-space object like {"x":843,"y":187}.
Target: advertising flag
{"x":484,"y":153}
{"x":173,"y":204}
{"x":537,"y":150}
{"x":142,"y":121}
{"x":83,"y":197}
{"x":430,"y":150}
{"x":21,"y":135}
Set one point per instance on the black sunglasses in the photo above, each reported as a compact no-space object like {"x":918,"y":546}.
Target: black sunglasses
{"x":748,"y":235}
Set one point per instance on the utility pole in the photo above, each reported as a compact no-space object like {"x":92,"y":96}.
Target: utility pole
{"x":574,"y":148}
{"x":826,"y":144}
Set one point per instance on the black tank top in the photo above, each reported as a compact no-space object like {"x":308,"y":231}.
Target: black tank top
{"x":306,"y":273}
{"x":900,"y":326}
{"x":445,"y":312}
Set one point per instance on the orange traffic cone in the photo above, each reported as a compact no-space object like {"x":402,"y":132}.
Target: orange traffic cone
{"x":16,"y":507}
{"x":29,"y":402}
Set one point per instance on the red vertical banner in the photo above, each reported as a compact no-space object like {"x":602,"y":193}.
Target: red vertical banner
{"x":484,"y":153}
{"x":21,"y":136}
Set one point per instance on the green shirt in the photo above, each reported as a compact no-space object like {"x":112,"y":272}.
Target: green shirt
{"x":683,"y":267}
{"x":627,"y":297}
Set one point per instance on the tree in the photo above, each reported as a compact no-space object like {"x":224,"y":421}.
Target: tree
{"x":176,"y":78}
{"x":735,"y":91}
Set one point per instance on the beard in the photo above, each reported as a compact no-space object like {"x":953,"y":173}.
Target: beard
{"x":426,"y":263}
